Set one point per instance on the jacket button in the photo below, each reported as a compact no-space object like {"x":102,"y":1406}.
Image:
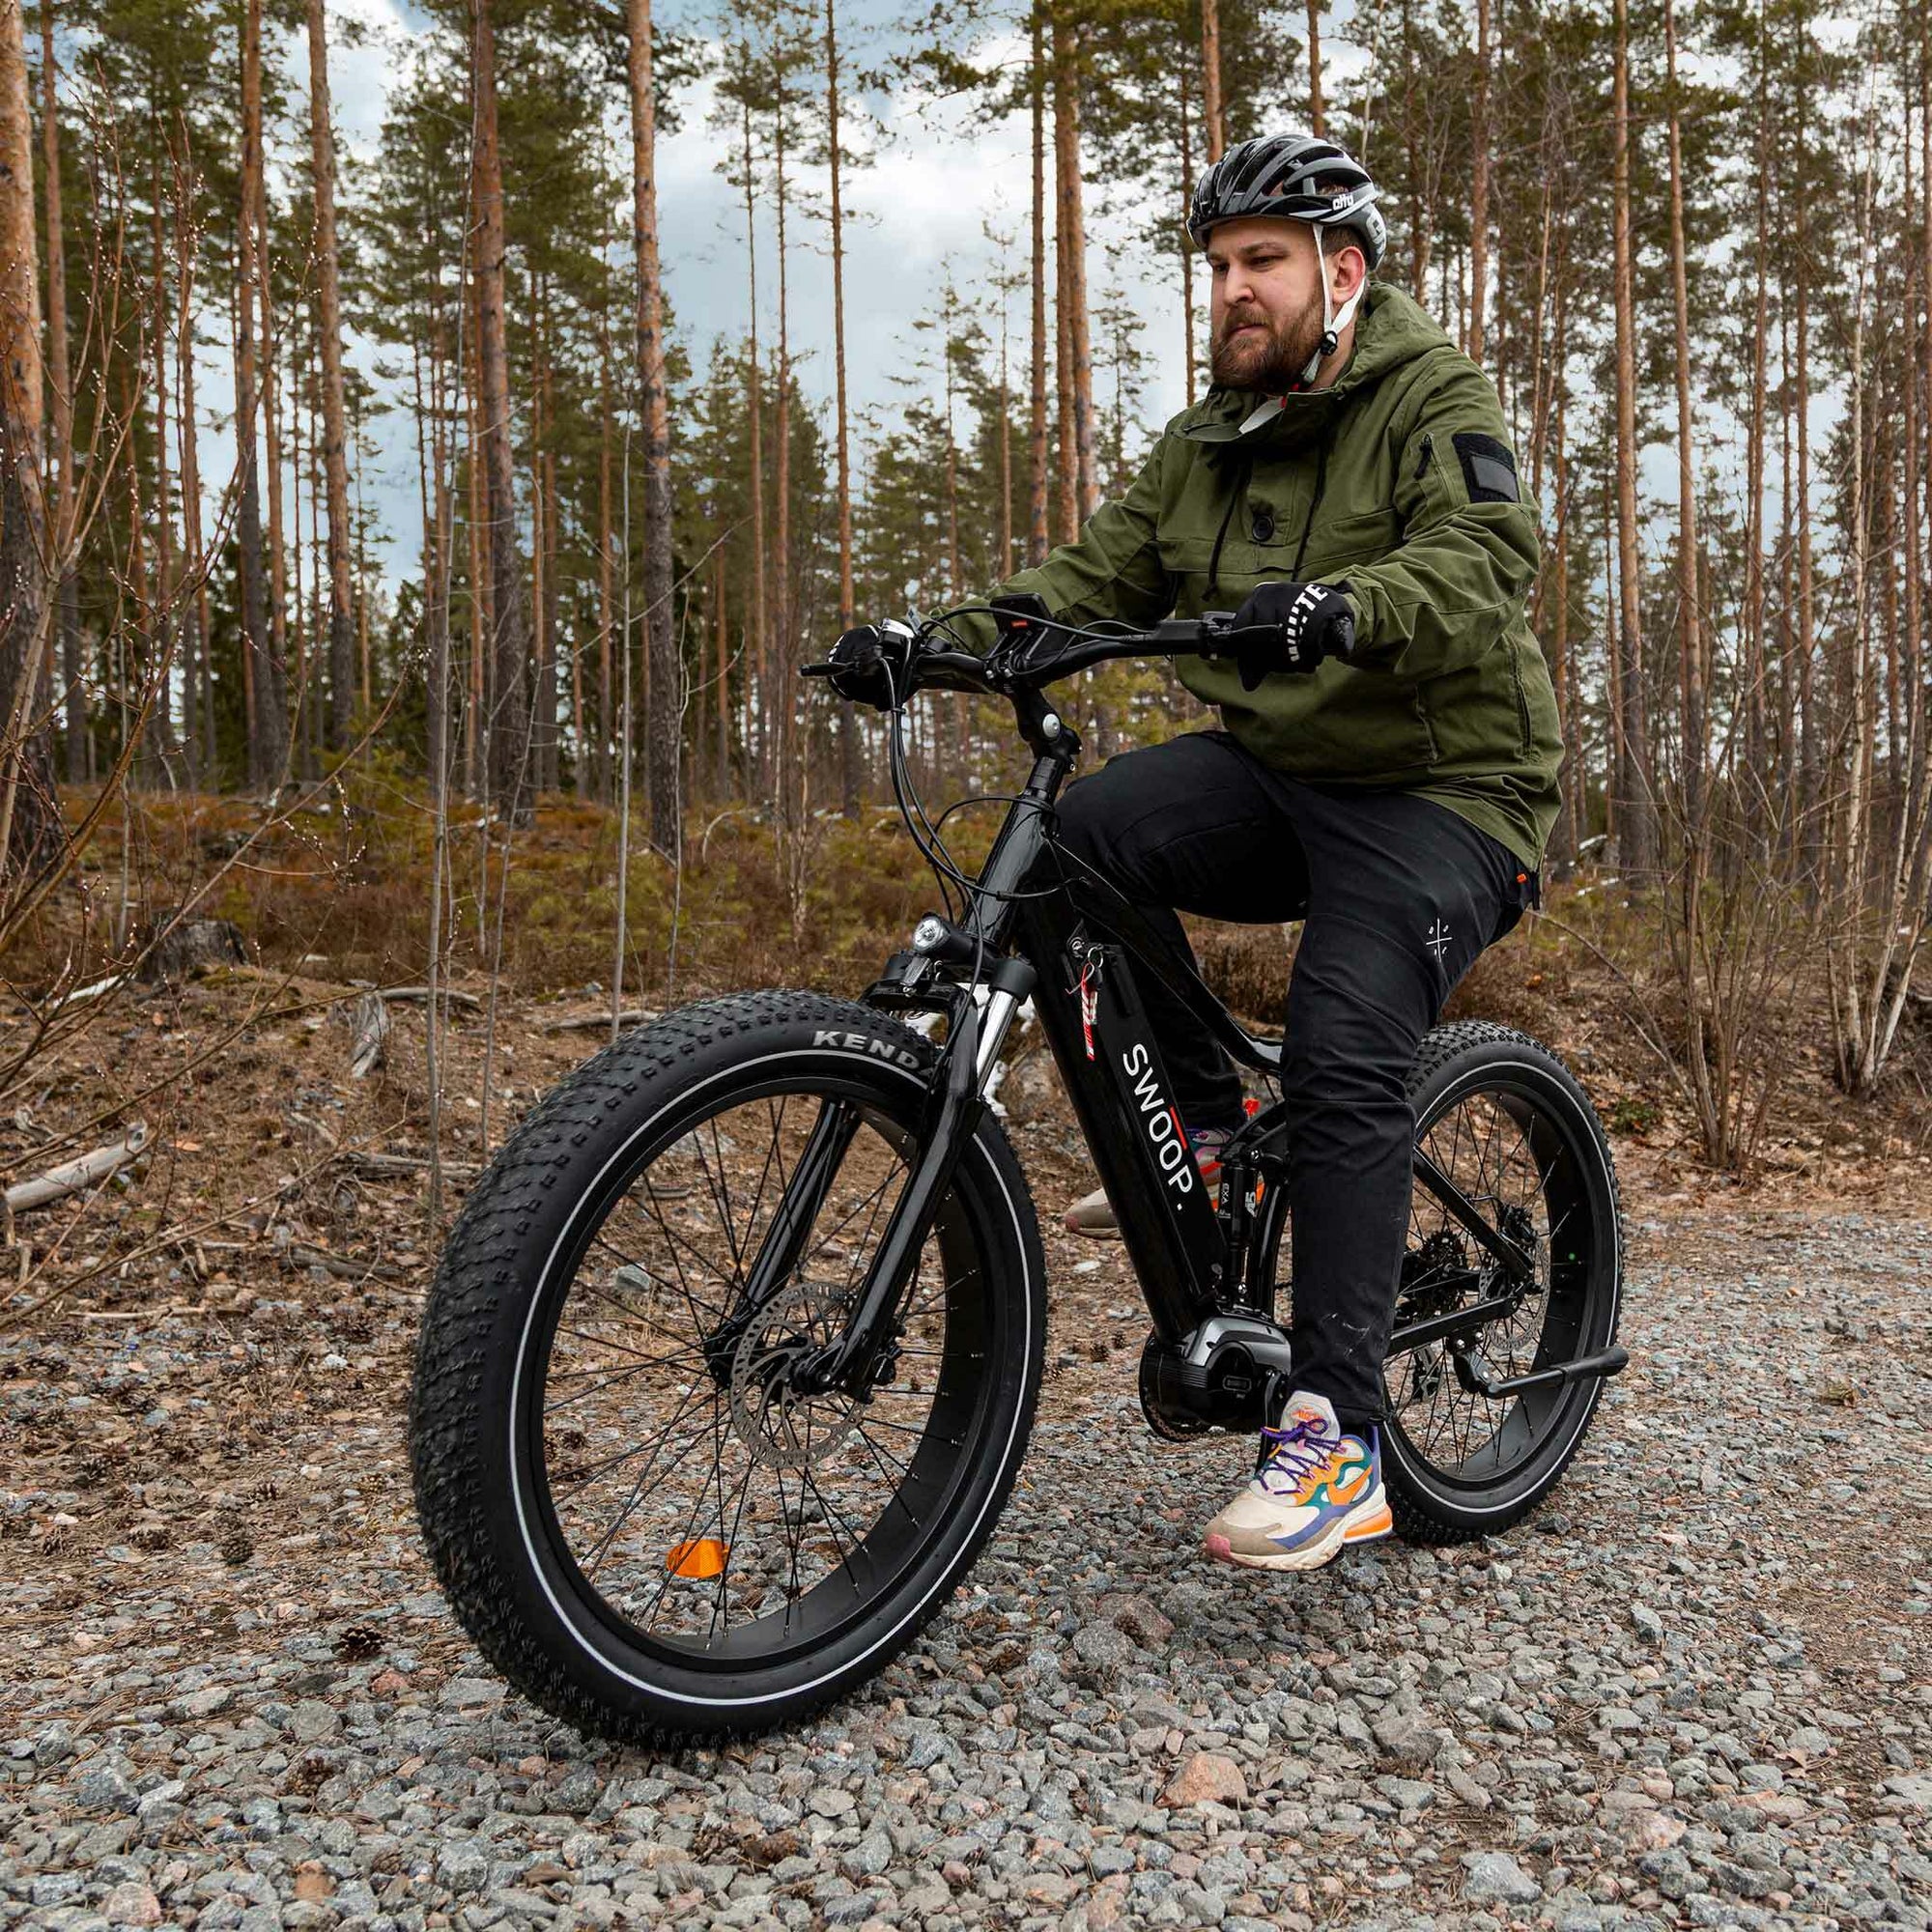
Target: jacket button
{"x":1263,"y":527}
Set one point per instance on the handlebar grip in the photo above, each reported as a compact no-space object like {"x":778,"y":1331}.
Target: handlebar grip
{"x":824,"y":668}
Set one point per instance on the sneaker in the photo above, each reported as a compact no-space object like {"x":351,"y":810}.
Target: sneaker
{"x":1313,"y":1490}
{"x":1093,"y":1214}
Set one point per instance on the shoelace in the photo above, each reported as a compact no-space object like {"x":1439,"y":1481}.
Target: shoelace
{"x":1297,"y":1451}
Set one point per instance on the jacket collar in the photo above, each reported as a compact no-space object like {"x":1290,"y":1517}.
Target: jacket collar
{"x":1391,"y":330}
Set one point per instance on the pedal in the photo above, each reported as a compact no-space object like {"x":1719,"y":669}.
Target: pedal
{"x":1479,"y":1379}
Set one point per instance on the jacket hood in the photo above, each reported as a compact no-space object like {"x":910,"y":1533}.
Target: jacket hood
{"x":1391,"y":330}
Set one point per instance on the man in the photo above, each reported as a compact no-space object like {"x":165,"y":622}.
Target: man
{"x":1349,"y":477}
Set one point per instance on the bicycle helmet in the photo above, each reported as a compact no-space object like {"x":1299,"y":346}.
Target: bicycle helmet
{"x":1293,"y":178}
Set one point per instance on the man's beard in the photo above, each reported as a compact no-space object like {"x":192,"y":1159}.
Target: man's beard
{"x":1270,"y":361}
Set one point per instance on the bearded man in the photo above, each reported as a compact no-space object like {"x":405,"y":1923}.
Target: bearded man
{"x":1349,"y":476}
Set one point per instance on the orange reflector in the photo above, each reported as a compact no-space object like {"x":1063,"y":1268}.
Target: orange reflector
{"x":702,"y":1558}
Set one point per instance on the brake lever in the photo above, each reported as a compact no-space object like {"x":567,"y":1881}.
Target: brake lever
{"x":1257,"y":649}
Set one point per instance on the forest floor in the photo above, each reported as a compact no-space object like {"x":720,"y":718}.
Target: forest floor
{"x":1696,"y":1690}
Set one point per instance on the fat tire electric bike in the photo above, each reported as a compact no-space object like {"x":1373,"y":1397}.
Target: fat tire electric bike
{"x":730,"y":1360}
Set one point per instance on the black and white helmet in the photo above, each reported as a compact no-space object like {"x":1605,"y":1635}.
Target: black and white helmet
{"x":1291,"y":178}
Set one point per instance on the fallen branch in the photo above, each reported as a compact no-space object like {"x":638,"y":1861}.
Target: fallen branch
{"x":58,"y":1182}
{"x":405,"y":1163}
{"x":443,"y":994}
{"x":302,"y":1254}
{"x":593,"y":1022}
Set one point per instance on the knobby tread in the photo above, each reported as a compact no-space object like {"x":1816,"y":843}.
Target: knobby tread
{"x":1440,"y":1047}
{"x":478,"y":1271}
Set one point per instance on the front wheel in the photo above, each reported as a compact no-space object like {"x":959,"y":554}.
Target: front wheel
{"x":638,"y":1520}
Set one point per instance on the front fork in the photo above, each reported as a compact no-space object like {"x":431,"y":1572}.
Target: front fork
{"x":853,"y":1359}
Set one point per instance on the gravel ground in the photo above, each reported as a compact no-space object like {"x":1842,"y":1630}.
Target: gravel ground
{"x":1694,"y":1691}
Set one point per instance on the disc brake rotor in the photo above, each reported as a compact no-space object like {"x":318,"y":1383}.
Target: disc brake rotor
{"x":781,"y":1430}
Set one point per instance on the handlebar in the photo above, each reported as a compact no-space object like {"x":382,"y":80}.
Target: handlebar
{"x":1024,"y":658}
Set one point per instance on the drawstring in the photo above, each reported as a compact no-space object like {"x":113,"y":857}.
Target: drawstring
{"x":1315,"y":500}
{"x":1244,"y":471}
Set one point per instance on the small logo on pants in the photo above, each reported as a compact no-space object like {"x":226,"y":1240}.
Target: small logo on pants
{"x":1439,"y":939}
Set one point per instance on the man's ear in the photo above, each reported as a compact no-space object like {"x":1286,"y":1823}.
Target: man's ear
{"x":1348,"y":270}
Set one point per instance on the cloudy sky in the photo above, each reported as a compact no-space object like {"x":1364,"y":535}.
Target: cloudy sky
{"x":943,"y":176}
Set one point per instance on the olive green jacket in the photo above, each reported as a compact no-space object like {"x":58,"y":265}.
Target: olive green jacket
{"x":1397,"y":483}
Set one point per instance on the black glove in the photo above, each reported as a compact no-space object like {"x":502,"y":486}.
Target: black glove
{"x":859,"y":672}
{"x":1317,"y":622}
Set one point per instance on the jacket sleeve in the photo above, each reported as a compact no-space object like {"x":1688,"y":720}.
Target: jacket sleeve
{"x":1450,"y":589}
{"x":1113,"y":568}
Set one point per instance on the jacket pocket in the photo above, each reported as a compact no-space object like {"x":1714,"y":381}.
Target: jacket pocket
{"x":1332,"y":547}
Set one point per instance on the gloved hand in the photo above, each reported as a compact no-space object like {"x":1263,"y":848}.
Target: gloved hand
{"x":1317,"y":620}
{"x":858,"y":667}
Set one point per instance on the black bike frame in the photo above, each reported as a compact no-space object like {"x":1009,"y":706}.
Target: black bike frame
{"x":1073,"y":946}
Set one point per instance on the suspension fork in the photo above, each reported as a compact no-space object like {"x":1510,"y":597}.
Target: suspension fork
{"x":793,"y":1221}
{"x":958,"y":1098}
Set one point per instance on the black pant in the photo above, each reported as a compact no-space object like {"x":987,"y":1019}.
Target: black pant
{"x":1399,"y":895}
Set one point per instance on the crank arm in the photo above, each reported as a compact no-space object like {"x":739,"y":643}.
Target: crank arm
{"x":1519,"y":1265}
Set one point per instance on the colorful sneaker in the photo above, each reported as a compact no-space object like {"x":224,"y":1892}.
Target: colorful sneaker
{"x":1093,"y":1214}
{"x":1315,"y":1489}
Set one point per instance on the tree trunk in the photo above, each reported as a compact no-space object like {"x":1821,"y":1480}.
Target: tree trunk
{"x":1810,"y":747}
{"x":29,"y":807}
{"x":60,"y":418}
{"x":272,"y":439}
{"x":783,"y":614}
{"x":1186,"y":241}
{"x":1690,"y":648}
{"x":1210,"y":80}
{"x":1316,"y":119}
{"x":1572,"y":816}
{"x":661,"y":723}
{"x":543,"y":650}
{"x":1639,"y":850}
{"x":476,"y":735}
{"x":1037,"y":478}
{"x":268,"y":722}
{"x":605,"y":604}
{"x":509,"y":707}
{"x":202,"y":748}
{"x":1751,"y":618}
{"x":757,"y":637}
{"x":161,"y":628}
{"x":334,"y":413}
{"x":1479,"y":181}
{"x":1067,"y":66}
{"x":848,"y":736}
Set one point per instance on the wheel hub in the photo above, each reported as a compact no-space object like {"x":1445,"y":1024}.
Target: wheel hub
{"x":782,"y":1428}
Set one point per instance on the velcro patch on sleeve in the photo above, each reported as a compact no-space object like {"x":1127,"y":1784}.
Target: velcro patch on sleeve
{"x":1489,"y":467}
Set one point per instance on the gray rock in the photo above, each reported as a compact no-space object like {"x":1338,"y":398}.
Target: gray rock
{"x":102,"y":1787}
{"x":310,"y":1720}
{"x":1405,"y":1739}
{"x":1494,"y":1878}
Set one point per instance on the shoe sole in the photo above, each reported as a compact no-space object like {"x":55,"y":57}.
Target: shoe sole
{"x":1110,"y":1230}
{"x":1106,"y":1234}
{"x":1311,"y":1555}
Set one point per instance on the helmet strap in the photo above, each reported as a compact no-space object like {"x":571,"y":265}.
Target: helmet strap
{"x":1333,"y":322}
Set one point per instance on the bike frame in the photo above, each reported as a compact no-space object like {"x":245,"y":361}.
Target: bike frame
{"x":1074,"y":949}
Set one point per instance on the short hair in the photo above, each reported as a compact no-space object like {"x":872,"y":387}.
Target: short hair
{"x":1335,"y":236}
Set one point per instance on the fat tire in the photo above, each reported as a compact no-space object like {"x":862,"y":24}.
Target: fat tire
{"x":1447,"y":1054}
{"x":491,"y":1271}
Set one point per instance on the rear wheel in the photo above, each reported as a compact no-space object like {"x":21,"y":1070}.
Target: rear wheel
{"x":633,"y":1514}
{"x":1507,"y":1124}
